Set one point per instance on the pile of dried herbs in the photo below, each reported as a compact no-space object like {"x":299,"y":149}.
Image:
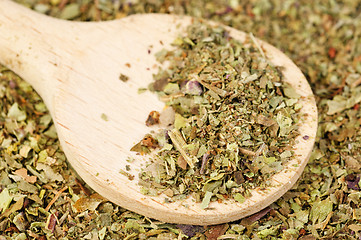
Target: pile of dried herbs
{"x":323,"y":37}
{"x":231,"y":119}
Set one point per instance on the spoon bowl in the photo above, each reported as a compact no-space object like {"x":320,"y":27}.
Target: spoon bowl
{"x":76,"y":67}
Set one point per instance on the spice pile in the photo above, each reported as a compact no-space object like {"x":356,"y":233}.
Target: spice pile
{"x":322,"y":37}
{"x":231,"y":119}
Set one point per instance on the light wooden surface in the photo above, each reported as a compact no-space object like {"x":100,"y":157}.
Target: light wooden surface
{"x":75,"y":67}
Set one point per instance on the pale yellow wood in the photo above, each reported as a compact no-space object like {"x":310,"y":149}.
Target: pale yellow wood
{"x":75,"y":67}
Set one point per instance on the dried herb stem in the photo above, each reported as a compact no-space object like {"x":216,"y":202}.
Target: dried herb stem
{"x":204,"y":163}
{"x":257,"y":45}
{"x":57,"y":195}
{"x":218,"y":91}
{"x":179,"y":143}
{"x":247,"y":152}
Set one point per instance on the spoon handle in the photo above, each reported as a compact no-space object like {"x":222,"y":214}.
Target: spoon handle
{"x":27,"y":46}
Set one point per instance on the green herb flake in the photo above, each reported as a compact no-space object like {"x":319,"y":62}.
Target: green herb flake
{"x":104,"y":117}
{"x":16,"y":114}
{"x":5,"y":200}
{"x":239,"y":197}
{"x":206,"y":200}
{"x":320,"y":210}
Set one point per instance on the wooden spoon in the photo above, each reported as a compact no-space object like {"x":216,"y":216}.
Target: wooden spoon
{"x":75,"y":67}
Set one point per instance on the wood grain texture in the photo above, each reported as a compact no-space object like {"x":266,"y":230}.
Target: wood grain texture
{"x":75,"y":67}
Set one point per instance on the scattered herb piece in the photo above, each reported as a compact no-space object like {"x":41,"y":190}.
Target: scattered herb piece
{"x":104,"y":117}
{"x":123,"y":78}
{"x":153,"y":118}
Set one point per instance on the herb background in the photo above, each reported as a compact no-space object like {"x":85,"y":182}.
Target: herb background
{"x":41,"y":197}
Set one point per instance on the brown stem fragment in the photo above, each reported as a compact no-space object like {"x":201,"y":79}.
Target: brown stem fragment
{"x":204,"y":163}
